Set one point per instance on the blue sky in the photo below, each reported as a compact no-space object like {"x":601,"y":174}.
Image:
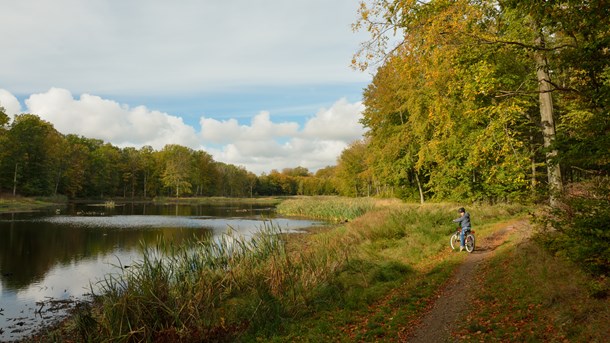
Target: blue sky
{"x":265,"y":84}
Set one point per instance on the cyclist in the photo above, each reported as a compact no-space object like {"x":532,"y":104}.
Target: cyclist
{"x":464,"y":222}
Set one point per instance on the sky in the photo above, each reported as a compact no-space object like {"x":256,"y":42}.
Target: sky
{"x":263,"y":84}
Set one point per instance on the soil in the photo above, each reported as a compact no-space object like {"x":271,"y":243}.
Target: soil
{"x":451,"y":305}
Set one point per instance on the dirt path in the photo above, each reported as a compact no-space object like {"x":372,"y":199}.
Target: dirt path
{"x":445,"y":314}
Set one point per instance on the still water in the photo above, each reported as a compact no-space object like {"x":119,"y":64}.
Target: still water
{"x":50,"y":259}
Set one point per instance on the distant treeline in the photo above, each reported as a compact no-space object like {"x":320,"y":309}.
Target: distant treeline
{"x":37,"y":160}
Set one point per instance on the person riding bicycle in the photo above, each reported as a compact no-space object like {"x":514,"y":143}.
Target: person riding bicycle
{"x":464,"y":222}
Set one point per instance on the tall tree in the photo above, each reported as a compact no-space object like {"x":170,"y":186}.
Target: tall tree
{"x":352,"y":174}
{"x":149,"y":171}
{"x":481,"y":64}
{"x":105,"y":171}
{"x":132,"y":166}
{"x":28,"y":149}
{"x":75,"y":163}
{"x":204,"y":172}
{"x":4,"y":120}
{"x":177,"y":168}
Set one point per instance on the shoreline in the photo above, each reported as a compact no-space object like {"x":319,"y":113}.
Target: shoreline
{"x":17,"y":204}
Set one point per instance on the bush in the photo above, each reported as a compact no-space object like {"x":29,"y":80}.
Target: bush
{"x":579,"y":227}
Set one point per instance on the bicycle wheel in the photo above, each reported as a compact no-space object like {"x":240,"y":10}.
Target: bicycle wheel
{"x":455,"y":241}
{"x":469,"y":242}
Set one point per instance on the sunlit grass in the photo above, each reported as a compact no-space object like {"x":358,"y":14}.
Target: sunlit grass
{"x":551,"y":300}
{"x":278,"y":287}
{"x":337,"y":209}
{"x":13,"y":204}
{"x":398,"y":253}
{"x":219,"y":200}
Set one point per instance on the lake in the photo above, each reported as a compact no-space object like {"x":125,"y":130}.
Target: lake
{"x":49,"y":259}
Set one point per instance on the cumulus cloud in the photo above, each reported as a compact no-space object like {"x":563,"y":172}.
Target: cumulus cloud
{"x":264,"y":145}
{"x":260,"y":146}
{"x":326,"y":123}
{"x":261,"y":128}
{"x":9,"y":102}
{"x":94,"y":117}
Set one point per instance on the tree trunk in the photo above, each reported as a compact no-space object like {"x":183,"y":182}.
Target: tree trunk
{"x":533,"y":158}
{"x":15,"y":180}
{"x":57,"y":182}
{"x":145,"y":179}
{"x":548,"y":123}
{"x":421,"y":191}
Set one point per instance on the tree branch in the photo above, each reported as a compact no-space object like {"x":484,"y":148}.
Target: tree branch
{"x":523,"y":45}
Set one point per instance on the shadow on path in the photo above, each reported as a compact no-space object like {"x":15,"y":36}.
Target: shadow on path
{"x":452,"y":304}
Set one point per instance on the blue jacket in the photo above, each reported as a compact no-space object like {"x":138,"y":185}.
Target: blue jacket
{"x":464,"y":220}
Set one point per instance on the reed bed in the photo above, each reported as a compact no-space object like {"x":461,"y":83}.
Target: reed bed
{"x":208,"y":288}
{"x":336,"y":209}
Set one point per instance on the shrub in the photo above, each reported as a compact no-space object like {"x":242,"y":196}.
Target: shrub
{"x":579,"y":227}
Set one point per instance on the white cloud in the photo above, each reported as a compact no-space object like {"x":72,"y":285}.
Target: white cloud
{"x":339,"y":122}
{"x":9,"y":102}
{"x":261,"y":128}
{"x":260,"y":146}
{"x":265,"y":145}
{"x":94,"y":117}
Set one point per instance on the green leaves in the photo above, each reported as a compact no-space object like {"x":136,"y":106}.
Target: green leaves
{"x":459,"y":100}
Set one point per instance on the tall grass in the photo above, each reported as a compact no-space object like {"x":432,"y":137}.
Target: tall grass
{"x":399,"y":249}
{"x":219,"y":200}
{"x":209,"y":288}
{"x":235,"y":288}
{"x":337,"y":209}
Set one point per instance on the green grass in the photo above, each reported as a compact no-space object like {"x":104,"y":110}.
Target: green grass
{"x":398,"y":258}
{"x":17,"y":204}
{"x":337,"y":209}
{"x":219,"y":200}
{"x":335,"y":285}
{"x":551,"y":299}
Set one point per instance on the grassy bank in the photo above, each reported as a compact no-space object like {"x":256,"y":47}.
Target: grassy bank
{"x":21,"y":204}
{"x":271,"y":201}
{"x":310,"y":288}
{"x":527,"y":294}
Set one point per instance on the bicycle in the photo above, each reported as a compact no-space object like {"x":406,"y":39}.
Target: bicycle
{"x":468,"y":240}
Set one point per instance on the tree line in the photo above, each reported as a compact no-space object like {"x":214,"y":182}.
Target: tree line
{"x":37,"y":160}
{"x":483,"y":100}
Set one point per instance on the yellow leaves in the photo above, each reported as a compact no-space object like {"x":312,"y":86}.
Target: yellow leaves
{"x":577,"y":124}
{"x":479,"y":79}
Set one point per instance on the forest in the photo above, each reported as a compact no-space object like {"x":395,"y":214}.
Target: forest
{"x":485,"y":100}
{"x":37,"y":160}
{"x":471,"y":100}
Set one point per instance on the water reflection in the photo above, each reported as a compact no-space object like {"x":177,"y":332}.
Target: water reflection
{"x":56,"y":256}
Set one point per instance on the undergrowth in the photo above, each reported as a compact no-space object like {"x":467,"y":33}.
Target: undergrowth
{"x":578,"y":228}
